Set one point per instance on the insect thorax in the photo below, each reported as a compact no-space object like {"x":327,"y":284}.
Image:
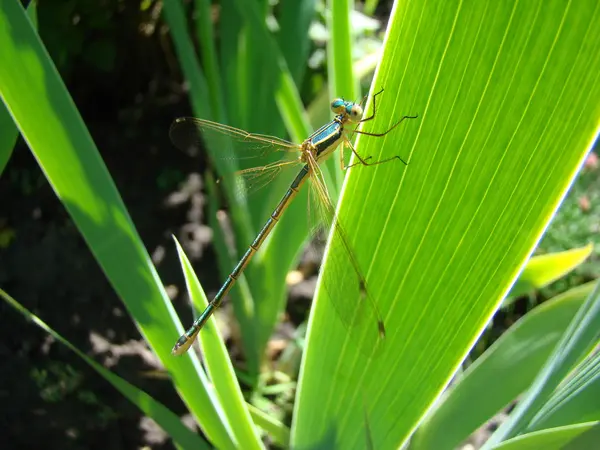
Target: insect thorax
{"x":308,"y":147}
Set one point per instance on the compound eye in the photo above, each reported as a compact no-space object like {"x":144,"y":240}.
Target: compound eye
{"x":355,"y":112}
{"x":338,"y":106}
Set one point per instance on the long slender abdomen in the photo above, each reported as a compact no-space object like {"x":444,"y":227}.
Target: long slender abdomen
{"x":187,"y":339}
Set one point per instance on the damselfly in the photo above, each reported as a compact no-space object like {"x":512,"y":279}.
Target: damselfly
{"x":314,"y":150}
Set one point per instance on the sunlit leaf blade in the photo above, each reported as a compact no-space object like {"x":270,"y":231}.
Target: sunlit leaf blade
{"x":8,"y":131}
{"x":219,"y":365}
{"x":342,"y":81}
{"x":277,"y":431}
{"x":348,"y":292}
{"x":544,"y":269}
{"x":8,"y":137}
{"x":509,"y":100}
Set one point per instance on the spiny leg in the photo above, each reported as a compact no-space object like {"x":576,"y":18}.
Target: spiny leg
{"x":390,"y":129}
{"x":372,"y":116}
{"x":363,"y":161}
{"x":364,"y":100}
{"x":365,"y":120}
{"x":343,"y":165}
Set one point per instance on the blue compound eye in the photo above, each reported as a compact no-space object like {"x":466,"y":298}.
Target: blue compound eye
{"x":338,"y":105}
{"x":354,"y":111}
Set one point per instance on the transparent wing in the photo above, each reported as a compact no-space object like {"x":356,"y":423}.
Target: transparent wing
{"x":229,"y":143}
{"x":187,"y":132}
{"x":255,"y":178}
{"x":358,"y":311}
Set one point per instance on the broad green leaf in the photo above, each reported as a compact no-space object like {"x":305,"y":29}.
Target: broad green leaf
{"x":544,"y":269}
{"x":508,"y":100}
{"x":509,"y":365}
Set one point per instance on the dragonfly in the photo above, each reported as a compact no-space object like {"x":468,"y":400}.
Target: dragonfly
{"x":320,"y":145}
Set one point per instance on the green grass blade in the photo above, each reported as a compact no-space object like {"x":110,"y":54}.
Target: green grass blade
{"x":342,"y":82}
{"x":220,"y":157}
{"x":175,"y":18}
{"x":8,"y":137}
{"x":277,"y":431}
{"x":206,"y":39}
{"x":581,"y":336}
{"x":575,"y":401}
{"x":260,"y":74}
{"x":48,"y":120}
{"x":169,"y":421}
{"x":544,"y":269}
{"x":510,"y":365}
{"x":219,"y":365}
{"x":232,"y":58}
{"x":573,"y":437}
{"x":508,"y":101}
{"x":294,"y":21}
{"x":370,"y":7}
{"x":8,"y":130}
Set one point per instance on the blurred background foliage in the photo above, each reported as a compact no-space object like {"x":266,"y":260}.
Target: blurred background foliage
{"x":120,"y":66}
